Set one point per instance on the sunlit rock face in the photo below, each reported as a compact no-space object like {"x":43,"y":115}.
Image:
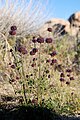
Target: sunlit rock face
{"x":74,"y":20}
{"x":61,"y":26}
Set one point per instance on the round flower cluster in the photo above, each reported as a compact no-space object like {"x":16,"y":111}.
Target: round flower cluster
{"x":49,"y":29}
{"x":48,"y":40}
{"x":13,"y":30}
{"x":34,"y":40}
{"x":33,"y":51}
{"x":40,"y":40}
{"x":22,"y":50}
{"x":53,"y":53}
{"x":53,"y":61}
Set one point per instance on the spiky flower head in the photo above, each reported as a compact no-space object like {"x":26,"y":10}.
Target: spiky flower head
{"x":13,"y":28}
{"x":32,"y":53}
{"x":71,"y":78}
{"x":62,"y":79}
{"x":68,"y":70}
{"x":48,"y":40}
{"x":34,"y":40}
{"x":40,"y":40}
{"x":62,"y":75}
{"x":12,"y":32}
{"x":22,"y":50}
{"x":49,"y":29}
{"x":53,"y":53}
{"x":35,"y":50}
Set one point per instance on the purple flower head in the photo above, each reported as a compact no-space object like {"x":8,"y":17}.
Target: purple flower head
{"x":53,"y":53}
{"x":35,"y":50}
{"x":68,"y":70}
{"x":12,"y":32}
{"x":13,"y":28}
{"x":62,"y":79}
{"x":22,"y":50}
{"x":71,"y":78}
{"x":67,"y":82}
{"x":32,"y":53}
{"x":40,"y":40}
{"x":54,"y":61}
{"x":49,"y":29}
{"x":33,"y":65}
{"x":13,"y":66}
{"x":48,"y":40}
{"x":48,"y":61}
{"x":68,"y":75}
{"x":34,"y":40}
{"x":62,"y":75}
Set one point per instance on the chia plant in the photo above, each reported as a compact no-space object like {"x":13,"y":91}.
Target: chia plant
{"x":32,"y":63}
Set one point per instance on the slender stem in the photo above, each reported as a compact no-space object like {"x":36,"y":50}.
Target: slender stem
{"x":40,"y":81}
{"x":23,"y":80}
{"x":24,"y":92}
{"x":40,"y":62}
{"x":34,"y":63}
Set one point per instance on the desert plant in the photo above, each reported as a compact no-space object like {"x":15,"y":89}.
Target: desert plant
{"x":39,"y":69}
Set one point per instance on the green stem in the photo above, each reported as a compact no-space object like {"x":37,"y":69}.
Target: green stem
{"x":34,"y":71}
{"x":23,"y":80}
{"x":40,"y":81}
{"x":24,"y":93}
{"x":40,"y":62}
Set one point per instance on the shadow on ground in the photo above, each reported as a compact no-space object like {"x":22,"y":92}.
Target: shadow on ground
{"x":30,"y":113}
{"x":27,"y":113}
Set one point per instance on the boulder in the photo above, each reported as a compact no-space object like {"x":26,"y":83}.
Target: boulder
{"x":59,"y":26}
{"x":74,"y":20}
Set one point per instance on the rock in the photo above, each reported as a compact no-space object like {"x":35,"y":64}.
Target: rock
{"x":61,"y":26}
{"x":75,"y":17}
{"x":74,"y":20}
{"x":62,"y":22}
{"x":60,"y":29}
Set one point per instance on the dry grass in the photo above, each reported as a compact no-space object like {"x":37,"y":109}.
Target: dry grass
{"x":28,"y":16}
